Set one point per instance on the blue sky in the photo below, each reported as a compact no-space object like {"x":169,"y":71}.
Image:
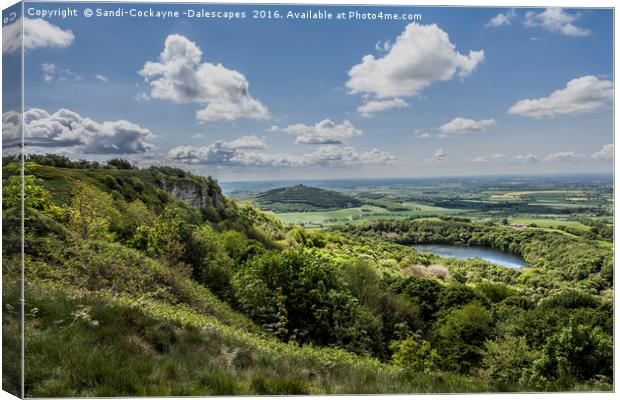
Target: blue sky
{"x":446,"y":105}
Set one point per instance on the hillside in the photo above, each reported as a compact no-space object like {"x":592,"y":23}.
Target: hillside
{"x":300,"y":198}
{"x":151,"y":282}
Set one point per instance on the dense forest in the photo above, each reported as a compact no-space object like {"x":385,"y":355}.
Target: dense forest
{"x":152,"y":282}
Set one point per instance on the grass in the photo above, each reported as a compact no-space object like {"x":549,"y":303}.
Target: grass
{"x":150,"y":348}
{"x":127,"y":326}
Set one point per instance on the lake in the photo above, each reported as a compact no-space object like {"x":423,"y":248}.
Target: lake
{"x":462,"y":252}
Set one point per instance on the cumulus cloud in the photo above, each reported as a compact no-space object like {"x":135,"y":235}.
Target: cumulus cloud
{"x":502,"y":19}
{"x":421,"y":55}
{"x":606,"y":153}
{"x":323,"y":132}
{"x":54,"y":72}
{"x":372,"y":107}
{"x":439,"y":155}
{"x":198,"y":136}
{"x":181,"y":77}
{"x":248,"y":142}
{"x":582,"y":95}
{"x":460,"y":126}
{"x":555,"y":20}
{"x":11,"y":129}
{"x":564,"y":156}
{"x":101,"y":78}
{"x":524,"y":159}
{"x":37,"y":33}
{"x":220,"y":153}
{"x":67,"y":129}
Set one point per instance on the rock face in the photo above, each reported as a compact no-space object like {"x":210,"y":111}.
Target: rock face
{"x":199,"y":195}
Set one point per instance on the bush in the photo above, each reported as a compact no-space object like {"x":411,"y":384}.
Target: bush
{"x":504,"y":361}
{"x":414,"y":354}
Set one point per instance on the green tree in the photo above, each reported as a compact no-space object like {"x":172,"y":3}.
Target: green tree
{"x":575,"y":354}
{"x":414,"y":354}
{"x":92,"y":212}
{"x":460,"y":336}
{"x":504,"y":360}
{"x":35,"y":195}
{"x":318,"y":306}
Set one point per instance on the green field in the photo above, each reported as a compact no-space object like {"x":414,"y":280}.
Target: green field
{"x":358,"y":214}
{"x":548,"y":223}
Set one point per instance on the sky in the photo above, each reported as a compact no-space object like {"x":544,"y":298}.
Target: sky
{"x":455,"y":91}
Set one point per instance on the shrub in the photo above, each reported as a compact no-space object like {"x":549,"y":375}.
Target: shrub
{"x":504,"y":360}
{"x":414,"y":354}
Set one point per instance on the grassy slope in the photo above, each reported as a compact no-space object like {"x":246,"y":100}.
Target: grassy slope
{"x":105,"y":320}
{"x":159,"y":333}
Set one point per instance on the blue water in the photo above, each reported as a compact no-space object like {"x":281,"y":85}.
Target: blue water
{"x":463,"y":252}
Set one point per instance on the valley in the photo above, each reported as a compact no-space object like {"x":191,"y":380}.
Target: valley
{"x":571,"y":205}
{"x":155,"y":281}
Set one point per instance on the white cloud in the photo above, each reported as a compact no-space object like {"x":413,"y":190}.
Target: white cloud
{"x":555,"y":20}
{"x":37,"y":33}
{"x":372,"y":107}
{"x":484,"y":159}
{"x":564,"y":156}
{"x":439,"y":155}
{"x":582,"y":95}
{"x":421,"y":55}
{"x":221,"y":153}
{"x":67,"y":129}
{"x":181,"y":77}
{"x":198,"y":136}
{"x":606,"y":153}
{"x":101,"y":78}
{"x":459,"y":126}
{"x":323,"y":132}
{"x":524,"y":159}
{"x":421,"y":135}
{"x":54,"y":72}
{"x":502,"y":19}
{"x":248,"y":142}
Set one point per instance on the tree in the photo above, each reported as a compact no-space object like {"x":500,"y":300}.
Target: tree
{"x":92,"y":212}
{"x":309,"y":291}
{"x":460,"y":336}
{"x":504,"y":360}
{"x":575,"y":354}
{"x":120,"y":163}
{"x":35,"y":196}
{"x":415,"y":354}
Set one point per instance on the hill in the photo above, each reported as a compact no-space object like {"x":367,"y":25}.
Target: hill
{"x":151,"y":282}
{"x":300,"y":198}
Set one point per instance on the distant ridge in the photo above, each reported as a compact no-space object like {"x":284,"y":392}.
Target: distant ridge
{"x":300,"y":198}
